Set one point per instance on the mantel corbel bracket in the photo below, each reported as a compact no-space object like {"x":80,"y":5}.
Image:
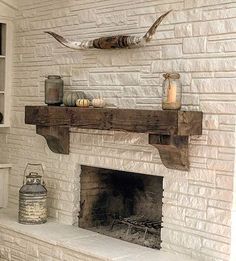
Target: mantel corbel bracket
{"x":57,"y":137}
{"x":173,"y":150}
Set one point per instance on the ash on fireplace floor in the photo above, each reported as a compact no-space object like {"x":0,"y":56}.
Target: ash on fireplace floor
{"x":135,"y":236}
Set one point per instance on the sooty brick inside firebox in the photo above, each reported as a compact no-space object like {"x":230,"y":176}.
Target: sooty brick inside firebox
{"x":122,"y":204}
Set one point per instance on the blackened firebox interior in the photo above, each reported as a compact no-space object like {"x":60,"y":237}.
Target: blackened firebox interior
{"x":122,"y":205}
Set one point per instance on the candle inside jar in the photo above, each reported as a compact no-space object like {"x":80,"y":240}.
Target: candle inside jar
{"x":172,"y":91}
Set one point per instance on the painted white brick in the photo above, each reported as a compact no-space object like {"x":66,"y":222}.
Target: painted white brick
{"x":218,"y":216}
{"x":219,"y":138}
{"x":217,"y":256}
{"x":219,"y":204}
{"x":211,"y":122}
{"x":141,"y":10}
{"x":176,"y":186}
{"x":192,"y":201}
{"x":220,"y":85}
{"x":202,"y":175}
{"x":202,"y":3}
{"x":193,"y":213}
{"x":42,"y":51}
{"x":79,"y":74}
{"x":114,"y":79}
{"x":172,"y":51}
{"x":218,"y":107}
{"x":65,"y":71}
{"x":7,"y":238}
{"x":220,"y":165}
{"x":207,"y":227}
{"x":183,"y":30}
{"x":221,"y":46}
{"x":189,"y":240}
{"x":147,"y":20}
{"x":219,"y":13}
{"x":194,"y":45}
{"x":170,"y":211}
{"x":32,"y":249}
{"x":227,"y":119}
{"x":195,"y":65}
{"x":20,"y":242}
{"x":209,"y":191}
{"x":225,"y":182}
{"x":203,"y":151}
{"x":186,"y":15}
{"x":5,"y":252}
{"x":214,"y":27}
{"x":114,"y":18}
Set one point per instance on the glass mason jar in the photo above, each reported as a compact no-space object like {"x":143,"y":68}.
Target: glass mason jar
{"x":172,"y":92}
{"x":54,"y":90}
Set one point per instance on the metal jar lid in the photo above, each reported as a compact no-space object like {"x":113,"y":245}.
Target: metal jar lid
{"x":171,"y":75}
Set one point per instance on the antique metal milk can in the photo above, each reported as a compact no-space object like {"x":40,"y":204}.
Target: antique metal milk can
{"x":32,"y":199}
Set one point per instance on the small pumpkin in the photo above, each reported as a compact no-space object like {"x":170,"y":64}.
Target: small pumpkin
{"x":98,"y":103}
{"x":82,"y":103}
{"x":70,"y":98}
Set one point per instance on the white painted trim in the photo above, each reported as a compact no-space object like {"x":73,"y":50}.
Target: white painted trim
{"x":4,"y":182}
{"x":5,"y":166}
{"x":233,"y":216}
{"x":8,"y":72}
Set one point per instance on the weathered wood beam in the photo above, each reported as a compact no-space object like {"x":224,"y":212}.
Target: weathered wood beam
{"x":143,"y":121}
{"x":168,"y":130}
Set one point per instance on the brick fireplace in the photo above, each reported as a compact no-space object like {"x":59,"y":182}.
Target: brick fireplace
{"x":197,"y":40}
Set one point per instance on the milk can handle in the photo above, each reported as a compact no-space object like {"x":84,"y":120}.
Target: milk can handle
{"x":32,"y":164}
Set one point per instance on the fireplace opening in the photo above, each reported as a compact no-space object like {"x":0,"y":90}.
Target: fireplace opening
{"x":123,"y":205}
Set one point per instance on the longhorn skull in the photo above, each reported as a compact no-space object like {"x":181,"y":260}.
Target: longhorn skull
{"x":110,"y":42}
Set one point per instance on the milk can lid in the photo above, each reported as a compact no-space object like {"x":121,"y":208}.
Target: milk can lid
{"x":33,"y":175}
{"x":54,"y":77}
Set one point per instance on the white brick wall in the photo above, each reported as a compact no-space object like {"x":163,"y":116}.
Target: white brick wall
{"x":197,"y":40}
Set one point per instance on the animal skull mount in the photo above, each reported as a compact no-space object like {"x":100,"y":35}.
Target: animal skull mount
{"x":111,"y":42}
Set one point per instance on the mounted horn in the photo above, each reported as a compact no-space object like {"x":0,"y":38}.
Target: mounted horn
{"x":148,"y":36}
{"x":111,"y":42}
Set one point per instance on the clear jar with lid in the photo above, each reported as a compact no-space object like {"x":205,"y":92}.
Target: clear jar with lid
{"x":54,"y":87}
{"x":172,"y":92}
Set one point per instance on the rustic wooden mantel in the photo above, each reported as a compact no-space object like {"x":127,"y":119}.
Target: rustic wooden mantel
{"x":168,"y":131}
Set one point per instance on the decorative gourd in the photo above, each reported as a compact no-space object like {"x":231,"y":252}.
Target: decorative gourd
{"x":82,"y":103}
{"x":98,"y":103}
{"x":70,"y":98}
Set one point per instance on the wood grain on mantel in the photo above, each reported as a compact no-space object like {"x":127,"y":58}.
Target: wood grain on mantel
{"x":168,"y":130}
